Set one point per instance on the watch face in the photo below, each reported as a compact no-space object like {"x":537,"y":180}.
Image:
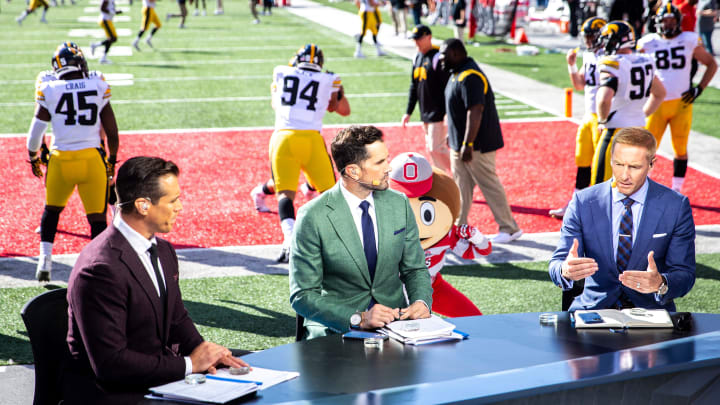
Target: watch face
{"x":355,"y":319}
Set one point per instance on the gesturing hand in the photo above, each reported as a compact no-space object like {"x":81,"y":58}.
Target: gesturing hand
{"x":647,"y":281}
{"x":577,"y":268}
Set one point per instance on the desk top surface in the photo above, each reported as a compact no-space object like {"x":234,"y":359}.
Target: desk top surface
{"x":510,"y":343}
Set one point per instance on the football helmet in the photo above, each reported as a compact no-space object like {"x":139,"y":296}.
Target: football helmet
{"x":617,"y":35}
{"x":663,"y":22}
{"x":591,"y":32}
{"x":69,"y":57}
{"x":309,"y":57}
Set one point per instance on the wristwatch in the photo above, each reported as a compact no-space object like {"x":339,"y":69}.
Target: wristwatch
{"x":356,"y":319}
{"x":663,"y":289}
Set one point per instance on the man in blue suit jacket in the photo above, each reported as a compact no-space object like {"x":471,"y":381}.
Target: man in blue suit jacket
{"x":659,"y":264}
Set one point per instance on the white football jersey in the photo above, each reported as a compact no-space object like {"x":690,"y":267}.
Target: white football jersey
{"x":366,"y":7}
{"x":301,"y":97}
{"x":673,"y":59}
{"x":75,"y":107}
{"x":592,"y":80}
{"x":149,"y":3}
{"x":635,"y":74}
{"x":111,"y":11}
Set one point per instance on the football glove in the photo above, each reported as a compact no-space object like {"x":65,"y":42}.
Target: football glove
{"x":110,"y":168}
{"x":340,"y":93}
{"x":44,"y":154}
{"x":35,"y":166}
{"x":689,"y":96}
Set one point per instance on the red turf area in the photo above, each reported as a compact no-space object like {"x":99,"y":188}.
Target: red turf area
{"x":219,"y":169}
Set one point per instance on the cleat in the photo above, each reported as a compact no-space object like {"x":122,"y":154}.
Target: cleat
{"x":43,"y":20}
{"x":558,"y":213}
{"x":19,"y":21}
{"x":168,"y":16}
{"x":135,"y":44}
{"x":219,"y":11}
{"x":93,"y":46}
{"x":504,"y":237}
{"x":204,"y":13}
{"x":147,"y":41}
{"x":44,"y":267}
{"x":256,"y":21}
{"x":104,"y":60}
{"x":181,"y":26}
{"x":308,"y":192}
{"x":359,"y":55}
{"x":284,"y":255}
{"x":380,"y":52}
{"x":196,"y":12}
{"x":259,"y":199}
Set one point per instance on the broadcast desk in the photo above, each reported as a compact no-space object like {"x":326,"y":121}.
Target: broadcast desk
{"x":507,"y":357}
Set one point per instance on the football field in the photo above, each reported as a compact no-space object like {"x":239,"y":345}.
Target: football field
{"x":201,"y":97}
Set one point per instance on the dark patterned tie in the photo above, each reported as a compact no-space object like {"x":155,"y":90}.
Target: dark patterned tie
{"x":624,"y":249}
{"x":154,"y":260}
{"x":368,"y":239}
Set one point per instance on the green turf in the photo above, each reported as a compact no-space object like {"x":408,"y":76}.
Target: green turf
{"x":254,"y":313}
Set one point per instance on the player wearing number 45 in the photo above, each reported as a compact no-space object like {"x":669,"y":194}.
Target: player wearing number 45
{"x":78,"y":105}
{"x":673,"y":51}
{"x":631,"y":239}
{"x":301,"y":95}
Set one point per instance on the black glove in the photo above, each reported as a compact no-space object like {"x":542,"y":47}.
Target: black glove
{"x":340,"y":93}
{"x":35,"y":165}
{"x":44,"y":154}
{"x":689,"y":96}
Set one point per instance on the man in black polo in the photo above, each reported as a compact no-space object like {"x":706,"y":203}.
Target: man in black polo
{"x":427,"y":85}
{"x":474,"y":135}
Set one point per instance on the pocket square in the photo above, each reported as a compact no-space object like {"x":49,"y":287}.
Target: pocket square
{"x":659,"y":235}
{"x":398,"y":231}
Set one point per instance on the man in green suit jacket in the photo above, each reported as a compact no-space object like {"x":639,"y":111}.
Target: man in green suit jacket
{"x":333,"y":282}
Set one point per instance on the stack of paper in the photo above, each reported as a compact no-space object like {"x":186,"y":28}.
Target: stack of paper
{"x":422,"y":331}
{"x":222,"y":386}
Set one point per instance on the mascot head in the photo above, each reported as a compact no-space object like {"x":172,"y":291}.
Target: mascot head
{"x":434,"y":196}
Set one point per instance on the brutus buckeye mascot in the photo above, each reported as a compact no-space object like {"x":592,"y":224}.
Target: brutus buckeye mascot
{"x":435,"y":200}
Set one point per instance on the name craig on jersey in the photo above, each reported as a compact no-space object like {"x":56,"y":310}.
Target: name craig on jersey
{"x":74,"y":85}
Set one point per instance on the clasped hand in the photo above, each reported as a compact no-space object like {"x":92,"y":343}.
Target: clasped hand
{"x":379,"y":315}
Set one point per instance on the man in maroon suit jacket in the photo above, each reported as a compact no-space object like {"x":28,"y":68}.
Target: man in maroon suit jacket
{"x":128,"y":327}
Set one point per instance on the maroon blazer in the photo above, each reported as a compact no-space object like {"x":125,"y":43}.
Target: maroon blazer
{"x":115,"y":318}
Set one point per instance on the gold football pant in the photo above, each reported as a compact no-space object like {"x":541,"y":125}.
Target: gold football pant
{"x":83,"y":168}
{"x":586,"y":141}
{"x":678,"y":115}
{"x":149,"y":16}
{"x":369,"y":20}
{"x":601,"y":169}
{"x":293,"y":150}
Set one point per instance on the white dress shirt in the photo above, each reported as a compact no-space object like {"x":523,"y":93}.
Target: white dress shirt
{"x":140,"y":245}
{"x":353,"y":202}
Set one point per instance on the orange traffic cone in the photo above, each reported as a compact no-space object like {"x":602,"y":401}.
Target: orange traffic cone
{"x":520,"y":36}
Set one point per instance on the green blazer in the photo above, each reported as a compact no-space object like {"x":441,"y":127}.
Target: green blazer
{"x":329,"y":278}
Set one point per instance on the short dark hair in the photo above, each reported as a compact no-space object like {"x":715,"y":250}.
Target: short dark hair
{"x":456,"y":45}
{"x":139,"y":177}
{"x":636,"y":136}
{"x":348,"y":146}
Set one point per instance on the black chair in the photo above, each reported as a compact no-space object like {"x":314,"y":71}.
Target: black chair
{"x":569,"y":295}
{"x":299,"y":327}
{"x":46,"y":321}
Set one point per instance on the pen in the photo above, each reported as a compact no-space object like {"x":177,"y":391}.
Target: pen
{"x":212,"y":377}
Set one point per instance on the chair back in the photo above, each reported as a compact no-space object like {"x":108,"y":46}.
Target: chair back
{"x":299,"y":327}
{"x":46,"y":321}
{"x":569,"y":296}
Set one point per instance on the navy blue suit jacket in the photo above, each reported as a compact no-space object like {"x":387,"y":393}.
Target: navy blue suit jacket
{"x":666,"y":227}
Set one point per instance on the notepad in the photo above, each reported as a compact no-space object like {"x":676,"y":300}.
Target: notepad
{"x":626,"y":318}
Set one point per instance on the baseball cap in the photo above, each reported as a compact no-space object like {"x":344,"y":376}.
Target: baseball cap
{"x":411,"y":174}
{"x":420,"y":31}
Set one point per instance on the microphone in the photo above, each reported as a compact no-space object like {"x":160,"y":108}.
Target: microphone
{"x":374,"y":183}
{"x":613,"y":184}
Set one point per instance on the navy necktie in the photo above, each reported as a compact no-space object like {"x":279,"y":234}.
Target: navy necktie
{"x":368,"y":239}
{"x":154,"y":260}
{"x":624,"y":249}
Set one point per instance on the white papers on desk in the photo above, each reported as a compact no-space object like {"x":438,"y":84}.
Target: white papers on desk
{"x":421,"y":331}
{"x":212,"y":391}
{"x":626,"y":318}
{"x":266,"y":377}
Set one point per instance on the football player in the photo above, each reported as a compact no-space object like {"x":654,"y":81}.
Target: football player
{"x":107,"y":13}
{"x":672,"y":49}
{"x":182,"y":15}
{"x":587,"y":78}
{"x":369,"y":21}
{"x":629,"y":91}
{"x":301,"y":95}
{"x":78,"y":105}
{"x":34,"y":4}
{"x":148,"y":16}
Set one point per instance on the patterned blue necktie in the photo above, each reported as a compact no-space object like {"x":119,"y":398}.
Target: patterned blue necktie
{"x":368,"y":239}
{"x":624,"y":249}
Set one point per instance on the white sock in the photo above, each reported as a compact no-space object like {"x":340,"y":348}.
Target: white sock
{"x":23,"y":15}
{"x":677,"y":183}
{"x":287,"y":226}
{"x":43,"y":14}
{"x":358,"y":47}
{"x":46,"y":248}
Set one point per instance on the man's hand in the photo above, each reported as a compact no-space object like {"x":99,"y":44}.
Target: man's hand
{"x":379,"y":316}
{"x":571,"y":57}
{"x":416,"y":310}
{"x":689,"y":96}
{"x":466,"y":153}
{"x":35,"y":166}
{"x":647,"y":281}
{"x":207,"y":356}
{"x":577,"y":268}
{"x":405,"y":119}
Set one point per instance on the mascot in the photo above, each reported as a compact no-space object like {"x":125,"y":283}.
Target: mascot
{"x":435,"y":200}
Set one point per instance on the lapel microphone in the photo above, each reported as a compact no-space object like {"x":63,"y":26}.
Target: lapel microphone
{"x":374,"y":183}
